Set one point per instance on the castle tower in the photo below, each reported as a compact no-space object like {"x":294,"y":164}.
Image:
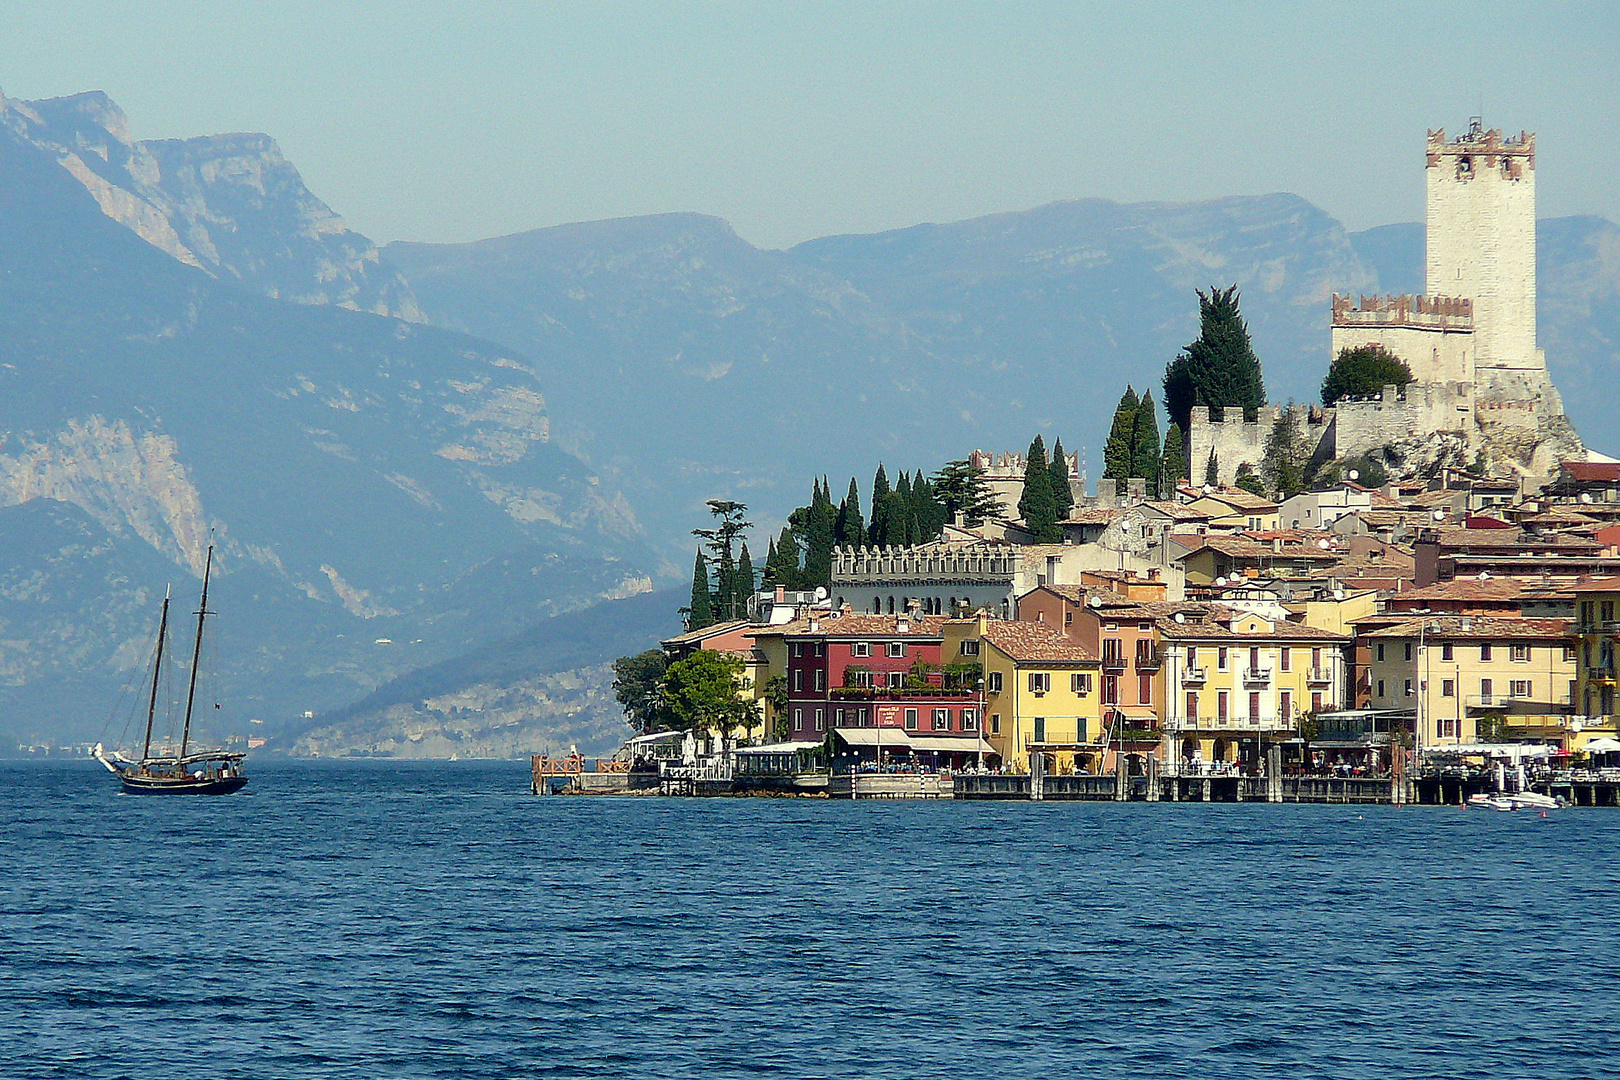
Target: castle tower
{"x":1481,"y":230}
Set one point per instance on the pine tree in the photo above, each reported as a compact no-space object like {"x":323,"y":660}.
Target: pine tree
{"x":1062,"y":494}
{"x":818,"y":539}
{"x":1248,"y":480}
{"x":745,"y":587}
{"x":1212,"y":470}
{"x":878,"y":534}
{"x":1173,"y":468}
{"x":1220,"y":369}
{"x":961,"y":488}
{"x":700,"y":613}
{"x":722,"y":541}
{"x":1145,"y":448}
{"x":1036,"y":505}
{"x":1119,"y":452}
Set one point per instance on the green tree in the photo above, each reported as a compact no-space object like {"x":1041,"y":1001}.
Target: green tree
{"x":637,"y":685}
{"x":775,"y":695}
{"x":818,"y":539}
{"x":926,"y":509}
{"x":1283,"y":466}
{"x":1145,"y":444}
{"x":1219,"y":369}
{"x":960,"y":488}
{"x":878,"y":534}
{"x":1119,"y":452}
{"x":902,"y":521}
{"x":1363,"y":371}
{"x":1062,"y":494}
{"x":746,"y":585}
{"x":704,"y":692}
{"x":782,"y":568}
{"x":1036,"y":505}
{"x":722,"y":541}
{"x":1174,"y":468}
{"x":1247,"y":480}
{"x":849,"y":527}
{"x":700,"y":612}
{"x":1212,"y":470}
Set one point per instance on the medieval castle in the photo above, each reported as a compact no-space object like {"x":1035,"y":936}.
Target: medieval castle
{"x":1480,"y":385}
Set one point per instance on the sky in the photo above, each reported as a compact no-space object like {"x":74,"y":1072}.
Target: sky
{"x":792,"y":120}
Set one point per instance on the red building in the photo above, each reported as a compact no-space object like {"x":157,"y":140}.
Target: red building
{"x":881,"y":684}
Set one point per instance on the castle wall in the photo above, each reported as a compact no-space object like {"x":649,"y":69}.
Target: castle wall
{"x":1236,"y":442}
{"x":1481,"y":239}
{"x":1435,"y":356}
{"x":1423,"y":410}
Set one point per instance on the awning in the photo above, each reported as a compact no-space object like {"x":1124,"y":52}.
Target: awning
{"x":1504,"y":750}
{"x":1131,"y":712}
{"x":779,"y":748}
{"x":1602,"y":745}
{"x":949,"y":745}
{"x":899,"y":739}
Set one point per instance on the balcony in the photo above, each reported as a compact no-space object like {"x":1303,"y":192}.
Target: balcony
{"x":1320,"y":676}
{"x":1194,"y":676}
{"x":1182,"y":725}
{"x":1149,"y":661}
{"x":1256,"y":676}
{"x":1113,"y":662}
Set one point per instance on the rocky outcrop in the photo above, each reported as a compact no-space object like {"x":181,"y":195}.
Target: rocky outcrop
{"x":229,"y":204}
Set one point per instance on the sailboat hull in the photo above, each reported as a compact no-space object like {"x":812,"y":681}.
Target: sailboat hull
{"x":182,"y":785}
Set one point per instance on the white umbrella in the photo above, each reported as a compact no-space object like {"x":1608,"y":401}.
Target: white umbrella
{"x":1604,"y":745}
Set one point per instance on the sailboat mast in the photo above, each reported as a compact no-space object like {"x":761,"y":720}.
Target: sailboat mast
{"x":157,"y":671}
{"x":196,"y":652}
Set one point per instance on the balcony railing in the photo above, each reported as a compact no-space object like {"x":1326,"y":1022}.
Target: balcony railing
{"x":1112,"y":662}
{"x":1181,"y":724}
{"x":1194,"y":676}
{"x":887,"y":693}
{"x":1149,"y":661}
{"x":1256,"y":676}
{"x":1320,"y":675}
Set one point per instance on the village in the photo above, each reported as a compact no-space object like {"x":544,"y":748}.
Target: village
{"x":1406,"y":595}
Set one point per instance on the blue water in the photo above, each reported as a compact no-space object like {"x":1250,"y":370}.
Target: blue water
{"x":438,"y":921}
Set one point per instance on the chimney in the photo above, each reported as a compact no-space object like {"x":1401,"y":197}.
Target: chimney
{"x":781,"y":593}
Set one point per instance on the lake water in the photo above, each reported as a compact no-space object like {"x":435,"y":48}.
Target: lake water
{"x":390,"y":920}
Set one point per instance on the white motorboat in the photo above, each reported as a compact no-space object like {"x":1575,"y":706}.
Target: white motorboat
{"x":1518,"y":800}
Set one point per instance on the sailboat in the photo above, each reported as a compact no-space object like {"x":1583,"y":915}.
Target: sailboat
{"x":187,"y":771}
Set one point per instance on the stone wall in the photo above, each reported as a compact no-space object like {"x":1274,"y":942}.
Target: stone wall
{"x":1237,"y":442}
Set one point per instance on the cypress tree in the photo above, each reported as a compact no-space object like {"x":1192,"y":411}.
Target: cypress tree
{"x":1036,"y":505}
{"x":1212,"y":470}
{"x":878,"y":533}
{"x":784,"y":570}
{"x":700,"y":612}
{"x":930,"y":514}
{"x":1145,"y":451}
{"x":745,"y":586}
{"x":1220,"y":369}
{"x":819,"y":539}
{"x":1173,"y":469}
{"x":1062,"y":496}
{"x":1119,"y":452}
{"x":850,"y":528}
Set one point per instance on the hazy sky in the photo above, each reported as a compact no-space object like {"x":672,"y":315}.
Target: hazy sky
{"x":794,"y":120}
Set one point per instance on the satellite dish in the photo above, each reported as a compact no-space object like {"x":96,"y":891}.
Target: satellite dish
{"x":1586,"y":497}
{"x":1323,"y":544}
{"x":1181,"y":617}
{"x":1220,"y":581}
{"x":1484,"y":575}
{"x":1439,"y":515}
{"x":1338,"y":594}
{"x":1095,"y":601}
{"x":1208,"y":488}
{"x":821,"y":592}
{"x":1355,"y":474}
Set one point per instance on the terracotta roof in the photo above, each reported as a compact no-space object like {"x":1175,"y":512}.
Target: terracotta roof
{"x":1466,"y":589}
{"x":854,"y":625}
{"x":1608,"y":584}
{"x":1092,"y":516}
{"x":1592,"y":471}
{"x":707,"y":632}
{"x":1458,"y":537}
{"x":1242,"y":500}
{"x":1239,"y":547}
{"x":1476,"y":626}
{"x":1175,"y":511}
{"x":1211,"y":630}
{"x":1027,"y":641}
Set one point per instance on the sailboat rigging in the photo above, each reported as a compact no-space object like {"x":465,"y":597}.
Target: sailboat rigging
{"x":203,"y":772}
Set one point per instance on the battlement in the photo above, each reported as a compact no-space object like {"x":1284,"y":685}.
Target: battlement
{"x":1453,"y":314}
{"x":1011,"y":466}
{"x":1478,"y":149}
{"x":949,"y":563}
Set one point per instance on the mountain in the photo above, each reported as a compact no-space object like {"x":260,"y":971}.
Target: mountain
{"x":547,"y":687}
{"x":230,"y":205}
{"x":693,"y":365}
{"x":382,"y":494}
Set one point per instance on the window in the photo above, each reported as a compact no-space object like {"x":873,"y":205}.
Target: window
{"x":1068,"y":618}
{"x":1080,"y":683}
{"x":1316,"y":659}
{"x":821,"y":679}
{"x":862,"y":679}
{"x":1407,"y":688}
{"x":1144,"y":689}
{"x":1254,"y":706}
{"x":861,"y":648}
{"x":911,"y":719}
{"x":1285,"y":705}
{"x":1254,"y":658}
{"x":1521,"y":653}
{"x":1285,"y":659}
{"x":1447,"y":651}
{"x":1606,"y":611}
{"x":992,"y":682}
{"x":1485,"y":689}
{"x":1446,"y":727}
{"x":1220,"y":659}
{"x":1110,"y":693}
{"x":894,"y":679}
{"x":1485,"y":651}
{"x":1221,"y":705}
{"x":1448,"y":688}
{"x":1192,"y":656}
{"x":970,"y":720}
{"x":821,"y":719}
{"x":1192,"y":704}
{"x":1144,"y":625}
{"x":1408,"y":651}
{"x":1569,"y":654}
{"x":838,"y":718}
{"x":897,"y":648}
{"x":1040,"y":729}
{"x":1316,"y":702}
{"x":1110,"y":626}
{"x":995,"y":723}
{"x":1519,"y":688}
{"x":942,"y":719}
{"x":798,"y":719}
{"x":1380,"y":652}
{"x":798,"y":678}
{"x":797,"y":648}
{"x":821,"y":648}
{"x":1039,"y":682}
{"x":970,"y":647}
{"x":1380,"y":687}
{"x":1079,"y":729}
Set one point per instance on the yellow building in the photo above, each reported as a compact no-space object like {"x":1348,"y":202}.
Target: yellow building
{"x":1236,"y":681}
{"x":1597,"y":628}
{"x":1041,"y":696}
{"x":1457,"y":670}
{"x":1237,"y":511}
